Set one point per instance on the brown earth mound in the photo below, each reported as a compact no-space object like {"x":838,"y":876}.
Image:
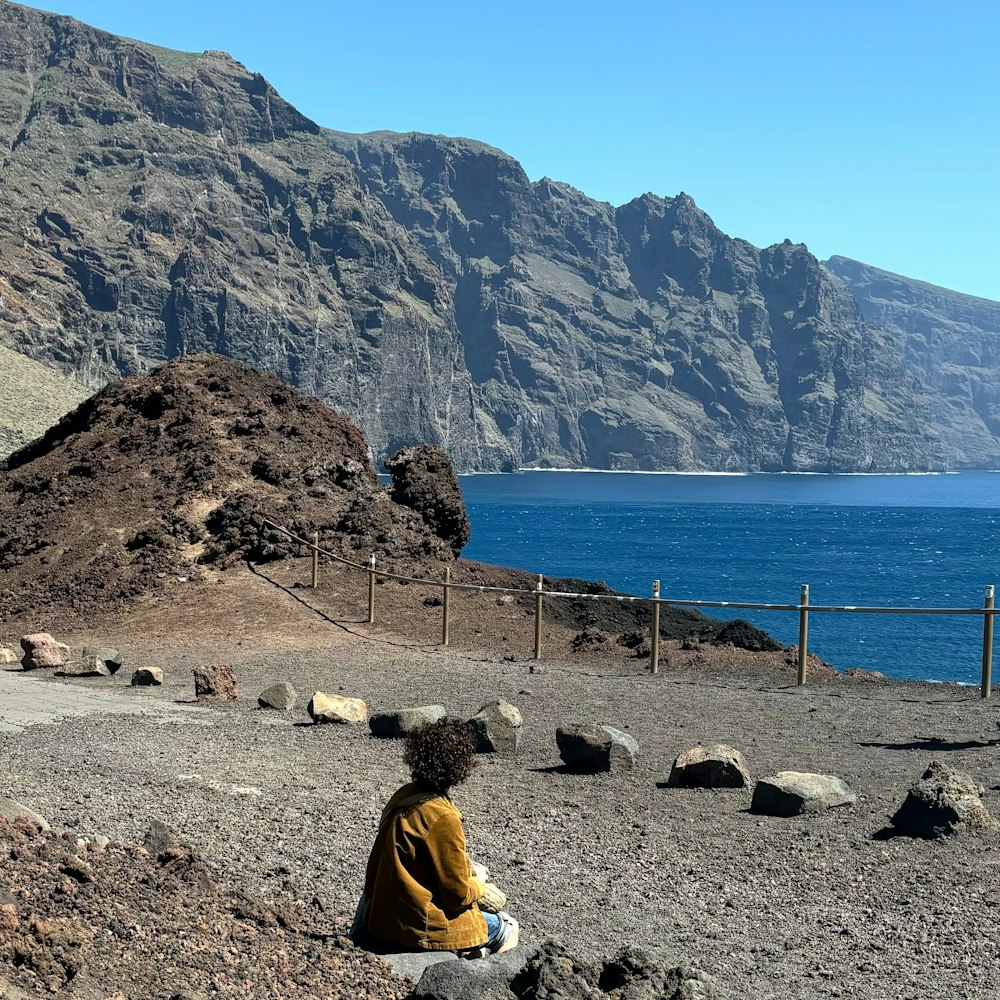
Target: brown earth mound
{"x":123,"y":921}
{"x":157,"y":478}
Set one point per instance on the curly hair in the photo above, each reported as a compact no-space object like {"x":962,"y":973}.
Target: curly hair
{"x":440,"y":754}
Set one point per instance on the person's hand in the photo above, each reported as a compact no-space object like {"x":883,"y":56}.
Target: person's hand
{"x":481,"y":872}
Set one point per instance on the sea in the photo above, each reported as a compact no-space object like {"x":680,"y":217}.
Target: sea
{"x":920,"y":541}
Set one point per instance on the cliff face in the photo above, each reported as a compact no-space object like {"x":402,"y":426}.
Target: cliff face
{"x":951,"y":343}
{"x":160,"y":203}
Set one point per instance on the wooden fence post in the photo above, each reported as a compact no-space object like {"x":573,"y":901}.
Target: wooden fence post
{"x":803,"y":631}
{"x":987,"y":644}
{"x":445,"y":607}
{"x":538,"y":618}
{"x":371,"y":590}
{"x":315,"y":548}
{"x":654,"y":635}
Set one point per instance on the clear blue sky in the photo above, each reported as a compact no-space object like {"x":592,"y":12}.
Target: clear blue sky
{"x":868,"y":128}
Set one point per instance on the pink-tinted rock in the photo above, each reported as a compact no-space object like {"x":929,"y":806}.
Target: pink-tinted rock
{"x":41,"y":650}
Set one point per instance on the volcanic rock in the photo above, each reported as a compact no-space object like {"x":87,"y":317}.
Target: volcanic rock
{"x":792,"y":793}
{"x":9,"y":809}
{"x":403,"y":721}
{"x":41,"y":650}
{"x":160,"y":838}
{"x":215,"y":683}
{"x":496,"y":728}
{"x":7,"y":655}
{"x":147,"y":677}
{"x":714,"y":766}
{"x":282,"y":697}
{"x":113,"y":660}
{"x":335,"y":708}
{"x":944,"y":801}
{"x":742,"y":634}
{"x":592,"y":748}
{"x":87,"y":666}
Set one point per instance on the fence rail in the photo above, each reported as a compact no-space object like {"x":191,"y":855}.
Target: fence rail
{"x":987,"y":612}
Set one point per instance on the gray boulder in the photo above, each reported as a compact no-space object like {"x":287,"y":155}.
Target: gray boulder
{"x":41,"y":650}
{"x":714,"y":766}
{"x":595,"y":747}
{"x":793,"y":793}
{"x":160,"y":838}
{"x":282,"y":697}
{"x":395,"y":725}
{"x":944,"y":801}
{"x":496,"y":728}
{"x":113,"y":660}
{"x":9,"y":809}
{"x":147,"y":677}
{"x":87,"y":666}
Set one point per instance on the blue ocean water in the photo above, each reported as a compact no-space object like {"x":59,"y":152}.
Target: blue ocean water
{"x":905,"y":541}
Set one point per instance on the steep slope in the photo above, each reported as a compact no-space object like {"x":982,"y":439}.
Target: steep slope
{"x":160,"y":479}
{"x":951,"y":342}
{"x":33,"y":396}
{"x":160,"y":203}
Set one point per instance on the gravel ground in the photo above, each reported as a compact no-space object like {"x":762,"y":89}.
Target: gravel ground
{"x":805,"y":907}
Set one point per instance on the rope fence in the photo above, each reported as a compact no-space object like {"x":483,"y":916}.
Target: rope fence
{"x":988,"y":611}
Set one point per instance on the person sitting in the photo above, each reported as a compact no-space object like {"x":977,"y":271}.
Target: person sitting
{"x":422,"y":890}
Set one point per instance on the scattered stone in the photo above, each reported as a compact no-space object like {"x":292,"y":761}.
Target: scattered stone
{"x":496,"y":728}
{"x":335,"y":708}
{"x":433,"y":601}
{"x":594,"y":747}
{"x":505,"y":600}
{"x":282,"y":697}
{"x":860,"y":674}
{"x":101,"y":840}
{"x":793,"y":793}
{"x":160,"y":838}
{"x":535,"y":668}
{"x":9,"y":809}
{"x":113,"y":660}
{"x":690,"y":642}
{"x":943,"y":802}
{"x":714,"y":766}
{"x":403,"y":721}
{"x":147,"y":677}
{"x":217,"y":683}
{"x":88,"y":666}
{"x":41,"y":650}
{"x":7,"y":655}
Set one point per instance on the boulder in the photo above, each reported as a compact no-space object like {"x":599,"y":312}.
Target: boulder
{"x":792,"y":793}
{"x":334,"y":708}
{"x":41,"y":650}
{"x":9,"y":809}
{"x":216,"y":683}
{"x":160,"y":838}
{"x":403,"y":721}
{"x":505,"y":600}
{"x":113,"y":660}
{"x":944,"y":801}
{"x":496,"y":728}
{"x":595,"y":747}
{"x":714,"y":766}
{"x":87,"y":666}
{"x":7,"y":655}
{"x":282,"y":697}
{"x":147,"y":677}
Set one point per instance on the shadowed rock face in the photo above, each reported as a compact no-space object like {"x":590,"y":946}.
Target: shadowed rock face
{"x":160,"y":203}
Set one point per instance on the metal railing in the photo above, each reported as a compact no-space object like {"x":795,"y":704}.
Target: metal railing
{"x":656,"y":601}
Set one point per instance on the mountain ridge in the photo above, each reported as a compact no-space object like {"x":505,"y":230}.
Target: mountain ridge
{"x":175,"y":203}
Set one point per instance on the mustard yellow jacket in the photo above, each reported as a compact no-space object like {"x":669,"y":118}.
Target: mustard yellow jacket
{"x":419,"y":888}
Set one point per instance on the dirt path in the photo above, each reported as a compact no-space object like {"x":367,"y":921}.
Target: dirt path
{"x":808,"y":907}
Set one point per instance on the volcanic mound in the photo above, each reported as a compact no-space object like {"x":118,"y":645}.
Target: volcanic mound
{"x":169,"y":476}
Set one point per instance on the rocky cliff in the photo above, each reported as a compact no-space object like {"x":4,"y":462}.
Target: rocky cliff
{"x":160,"y":203}
{"x":951,"y":343}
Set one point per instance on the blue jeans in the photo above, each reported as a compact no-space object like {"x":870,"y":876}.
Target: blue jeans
{"x":496,"y":929}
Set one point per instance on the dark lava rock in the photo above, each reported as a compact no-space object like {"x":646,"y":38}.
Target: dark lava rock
{"x":943,"y":802}
{"x":742,"y":634}
{"x":113,"y":660}
{"x":403,"y":721}
{"x":424,"y":479}
{"x":589,"y":749}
